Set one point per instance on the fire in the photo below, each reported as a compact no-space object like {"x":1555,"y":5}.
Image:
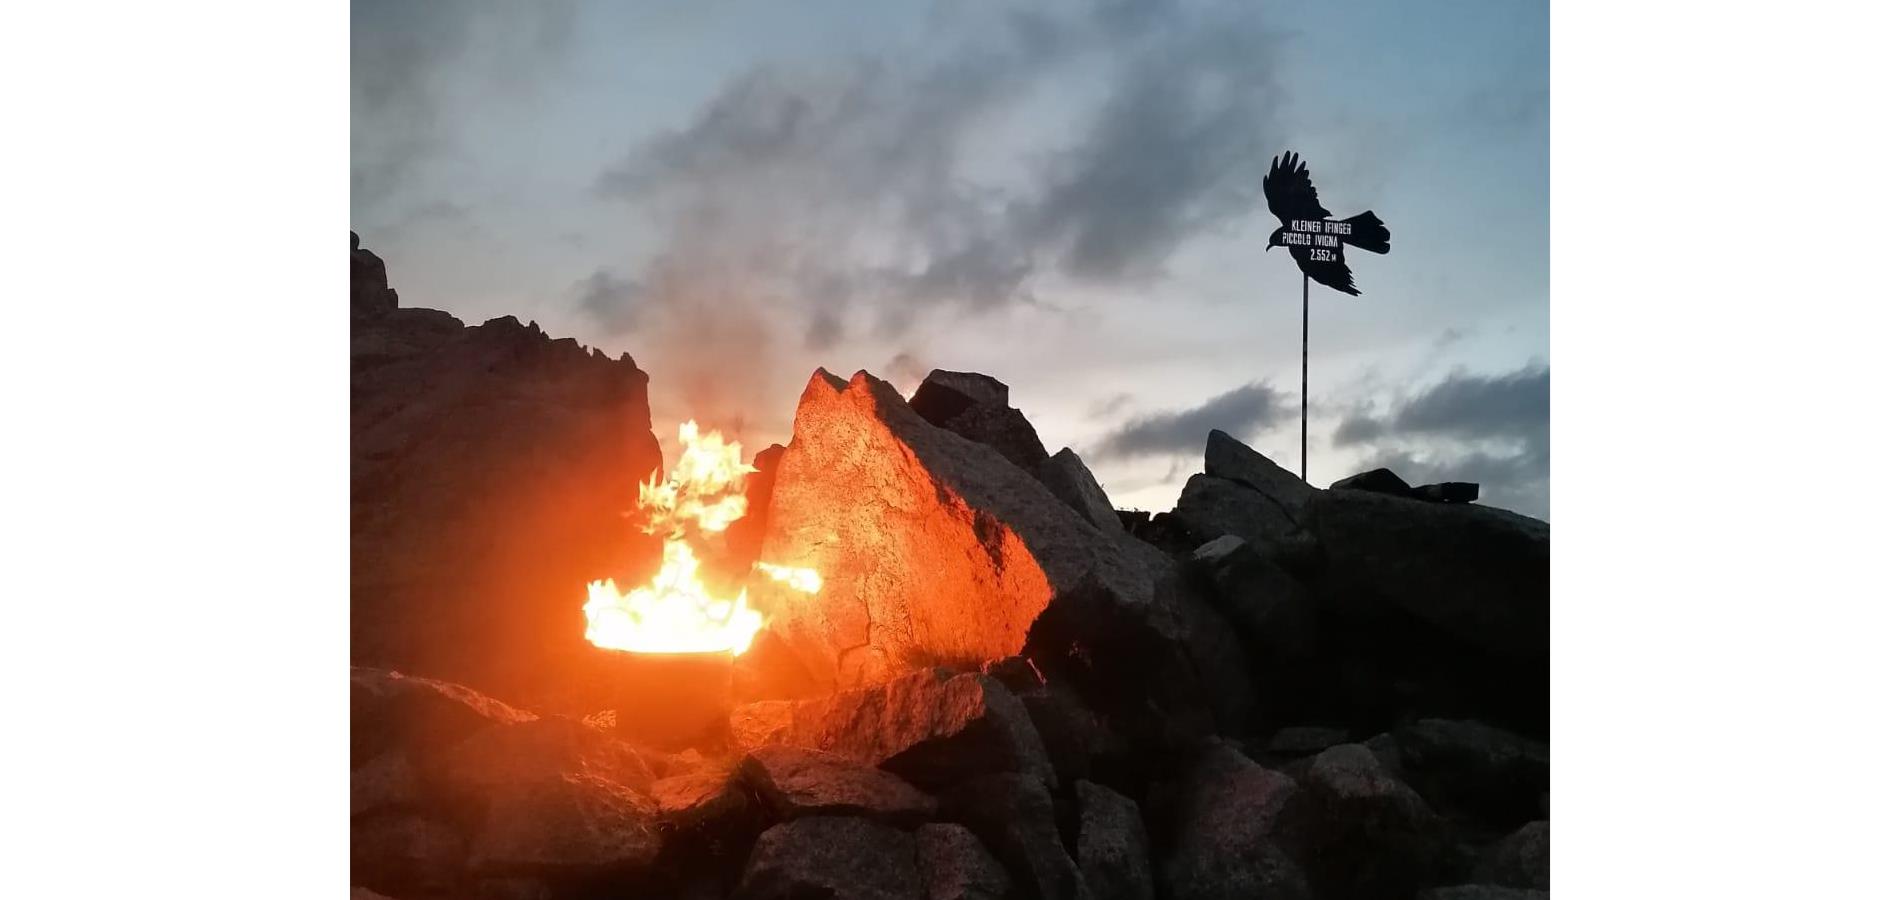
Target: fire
{"x":676,"y":613}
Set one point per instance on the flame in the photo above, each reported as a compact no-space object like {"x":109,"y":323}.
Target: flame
{"x":676,"y":613}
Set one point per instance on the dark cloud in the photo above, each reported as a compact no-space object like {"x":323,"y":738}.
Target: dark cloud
{"x":1492,"y":429}
{"x":610,"y":297}
{"x":1243,"y":411}
{"x":850,"y":187}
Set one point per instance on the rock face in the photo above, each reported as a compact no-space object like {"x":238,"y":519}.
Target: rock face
{"x":1220,"y":836}
{"x":831,"y":856}
{"x":1015,"y":817}
{"x":490,"y":468}
{"x":1361,"y":832}
{"x":1475,"y":772}
{"x":1073,"y":483}
{"x":935,"y":549}
{"x":1111,"y":846}
{"x":796,"y":782}
{"x":931,"y":727}
{"x":976,"y":406}
{"x":956,"y":867}
{"x":1245,"y":494}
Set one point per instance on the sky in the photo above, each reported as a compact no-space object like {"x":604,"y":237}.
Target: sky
{"x":1063,"y":195}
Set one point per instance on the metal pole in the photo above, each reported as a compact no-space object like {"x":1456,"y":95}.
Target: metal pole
{"x":1305,"y":282}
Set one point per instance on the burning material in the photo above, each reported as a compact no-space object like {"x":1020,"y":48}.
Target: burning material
{"x":676,"y":613}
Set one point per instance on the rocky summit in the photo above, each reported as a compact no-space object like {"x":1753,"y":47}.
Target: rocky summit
{"x":1004,"y":688}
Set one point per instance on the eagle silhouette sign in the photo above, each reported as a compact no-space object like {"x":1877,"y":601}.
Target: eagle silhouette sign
{"x":1307,"y":230}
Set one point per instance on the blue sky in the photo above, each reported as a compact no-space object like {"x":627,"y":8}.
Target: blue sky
{"x":1064,"y":195}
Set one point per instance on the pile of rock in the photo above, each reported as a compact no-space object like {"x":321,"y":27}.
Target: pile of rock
{"x":1007,"y":688}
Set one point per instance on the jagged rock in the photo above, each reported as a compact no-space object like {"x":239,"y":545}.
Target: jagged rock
{"x":931,"y":727}
{"x":745,"y":536}
{"x":834,"y":857}
{"x":955,"y":866}
{"x":1361,"y":832}
{"x":502,"y":758}
{"x":795,"y":781}
{"x":1073,"y":483}
{"x":1018,"y":673}
{"x":706,"y":800}
{"x":1232,"y":460}
{"x":405,"y":854}
{"x":757,"y":724}
{"x":1111,"y":845}
{"x":569,"y":825}
{"x":1452,"y":598}
{"x":1015,"y":817}
{"x":1475,"y":772}
{"x":1132,"y":519}
{"x":1520,"y":859}
{"x":1218,"y":838}
{"x":1380,"y":481}
{"x":1275,"y":619}
{"x":490,"y":470}
{"x":934,"y":549}
{"x":1482,"y":892}
{"x":976,"y":406}
{"x":393,"y":711}
{"x":1447,"y":492}
{"x":370,"y":295}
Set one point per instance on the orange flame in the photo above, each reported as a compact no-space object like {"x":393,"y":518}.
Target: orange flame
{"x":675,"y":613}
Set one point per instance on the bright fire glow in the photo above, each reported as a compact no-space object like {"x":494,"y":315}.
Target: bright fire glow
{"x":675,"y":613}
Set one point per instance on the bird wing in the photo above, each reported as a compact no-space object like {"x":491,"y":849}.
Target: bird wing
{"x":1333,"y":274}
{"x":1289,"y":190}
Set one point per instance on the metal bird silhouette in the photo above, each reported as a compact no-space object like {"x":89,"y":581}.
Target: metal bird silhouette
{"x":1309,"y":233}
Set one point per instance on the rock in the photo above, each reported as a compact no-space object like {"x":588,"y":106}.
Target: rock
{"x":503,"y":757}
{"x":976,"y":406}
{"x":1361,"y":832}
{"x":1210,"y":507}
{"x":1482,"y":892}
{"x":708,"y":800}
{"x":1018,"y":673}
{"x":794,"y":782}
{"x":955,"y":866}
{"x":1072,"y":483}
{"x":745,"y":536}
{"x":1232,"y":460}
{"x":1132,"y":519}
{"x":370,"y":295}
{"x":1381,"y":481}
{"x":1079,"y":743}
{"x":569,"y":826}
{"x":757,"y":724}
{"x":405,"y":854}
{"x":833,"y":857}
{"x":930,"y":727}
{"x":388,"y":782}
{"x":490,"y":470}
{"x":1111,"y":845}
{"x":1275,"y":619}
{"x":1520,"y":859}
{"x":934,"y":549}
{"x":393,"y":711}
{"x":1015,"y":818}
{"x":1220,"y":819}
{"x":1453,"y":598}
{"x":1475,"y":772}
{"x":1447,"y":492}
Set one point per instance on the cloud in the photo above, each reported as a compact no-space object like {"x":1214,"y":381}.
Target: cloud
{"x":610,"y":297}
{"x":1492,"y":429}
{"x":1243,"y":411}
{"x":855,"y":196}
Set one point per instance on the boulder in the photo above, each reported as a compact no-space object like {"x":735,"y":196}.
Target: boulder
{"x":1015,"y":818}
{"x":935,"y":550}
{"x":370,"y":294}
{"x":1447,"y":492}
{"x":406,"y":854}
{"x":1360,"y":832}
{"x":931,"y":727}
{"x":1381,"y":481}
{"x":794,"y":782}
{"x":1079,"y":742}
{"x":1475,"y":773}
{"x":835,"y":857}
{"x":1452,"y":598}
{"x":1111,"y":845}
{"x":709,"y":800}
{"x":392,"y":711}
{"x":490,"y":472}
{"x":1132,"y":519}
{"x":569,"y":826}
{"x":1066,"y":477}
{"x":1275,"y":619}
{"x":1219,"y":823}
{"x":1295,"y":741}
{"x":955,"y":866}
{"x":388,"y":782}
{"x":1229,"y":459}
{"x":1520,"y":859}
{"x":976,"y":406}
{"x":502,"y":758}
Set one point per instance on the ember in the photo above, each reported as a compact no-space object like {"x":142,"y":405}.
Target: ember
{"x":676,"y":612}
